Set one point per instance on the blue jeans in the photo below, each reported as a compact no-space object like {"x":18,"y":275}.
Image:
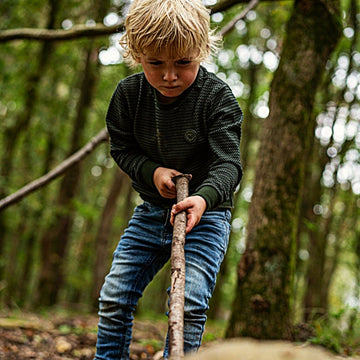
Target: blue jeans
{"x":142,"y":251}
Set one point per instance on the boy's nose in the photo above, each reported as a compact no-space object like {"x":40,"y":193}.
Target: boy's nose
{"x":170,"y":74}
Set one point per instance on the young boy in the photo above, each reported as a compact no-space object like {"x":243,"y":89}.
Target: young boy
{"x":172,"y":118}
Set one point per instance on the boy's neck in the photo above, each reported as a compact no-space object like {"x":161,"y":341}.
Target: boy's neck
{"x":164,"y":99}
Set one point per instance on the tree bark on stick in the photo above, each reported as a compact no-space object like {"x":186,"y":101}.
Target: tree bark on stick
{"x":177,"y":290}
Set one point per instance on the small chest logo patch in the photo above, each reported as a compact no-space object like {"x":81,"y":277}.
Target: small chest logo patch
{"x":190,"y":136}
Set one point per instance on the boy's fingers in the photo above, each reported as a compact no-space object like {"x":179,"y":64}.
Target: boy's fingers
{"x":175,"y":210}
{"x":180,"y":206}
{"x":170,"y":184}
{"x":190,"y":224}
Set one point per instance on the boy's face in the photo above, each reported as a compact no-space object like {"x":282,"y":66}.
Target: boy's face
{"x":170,"y":77}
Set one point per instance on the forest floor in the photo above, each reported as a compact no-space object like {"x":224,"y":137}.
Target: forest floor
{"x":63,"y":336}
{"x":67,"y":336}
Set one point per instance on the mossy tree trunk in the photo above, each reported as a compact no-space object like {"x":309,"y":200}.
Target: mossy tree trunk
{"x":262,"y":306}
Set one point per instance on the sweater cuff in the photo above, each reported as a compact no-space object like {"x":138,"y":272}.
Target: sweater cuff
{"x":210,"y":195}
{"x":147,"y":172}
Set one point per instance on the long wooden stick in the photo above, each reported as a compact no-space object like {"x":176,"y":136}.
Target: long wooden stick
{"x":177,"y":291}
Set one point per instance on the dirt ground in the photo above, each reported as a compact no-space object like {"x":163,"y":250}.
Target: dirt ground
{"x":57,"y":336}
{"x":249,"y":349}
{"x":34,"y":337}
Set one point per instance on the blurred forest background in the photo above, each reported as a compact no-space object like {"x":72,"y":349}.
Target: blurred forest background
{"x":294,"y":254}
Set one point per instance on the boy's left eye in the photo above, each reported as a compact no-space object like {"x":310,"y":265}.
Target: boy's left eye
{"x":184,"y":62}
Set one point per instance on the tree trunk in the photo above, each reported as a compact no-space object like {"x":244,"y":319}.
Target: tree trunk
{"x":56,"y":236}
{"x":262,"y":306}
{"x":315,"y":297}
{"x":12,"y":134}
{"x":338,"y":225}
{"x":354,"y":315}
{"x":103,"y":234}
{"x":311,"y":224}
{"x":31,"y":237}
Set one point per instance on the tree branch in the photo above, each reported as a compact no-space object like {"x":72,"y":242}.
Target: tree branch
{"x":76,"y":32}
{"x":80,"y":31}
{"x":227,"y":4}
{"x":59,"y":170}
{"x":230,"y":25}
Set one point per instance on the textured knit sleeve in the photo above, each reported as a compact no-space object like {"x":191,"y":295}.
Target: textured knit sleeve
{"x":224,"y":132}
{"x":123,"y":147}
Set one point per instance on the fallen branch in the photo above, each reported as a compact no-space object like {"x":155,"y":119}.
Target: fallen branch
{"x":53,"y":174}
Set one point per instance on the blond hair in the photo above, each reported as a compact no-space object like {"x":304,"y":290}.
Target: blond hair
{"x":176,"y":26}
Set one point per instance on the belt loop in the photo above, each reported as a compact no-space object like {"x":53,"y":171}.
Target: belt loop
{"x":167,"y":217}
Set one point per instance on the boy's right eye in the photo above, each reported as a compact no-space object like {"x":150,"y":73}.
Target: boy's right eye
{"x":155,"y":63}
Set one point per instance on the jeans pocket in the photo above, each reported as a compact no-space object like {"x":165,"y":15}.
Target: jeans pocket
{"x":215,"y":226}
{"x":145,"y":207}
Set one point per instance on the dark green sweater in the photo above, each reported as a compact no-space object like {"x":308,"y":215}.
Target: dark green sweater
{"x":198,"y":134}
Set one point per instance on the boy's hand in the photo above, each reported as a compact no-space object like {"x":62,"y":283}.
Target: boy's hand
{"x":195,"y":207}
{"x":163,"y":181}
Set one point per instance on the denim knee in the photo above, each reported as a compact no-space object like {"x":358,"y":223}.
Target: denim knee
{"x":115,"y":312}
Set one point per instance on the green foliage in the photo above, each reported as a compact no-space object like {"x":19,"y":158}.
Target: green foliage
{"x":214,"y":330}
{"x":157,"y":345}
{"x":332,"y":333}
